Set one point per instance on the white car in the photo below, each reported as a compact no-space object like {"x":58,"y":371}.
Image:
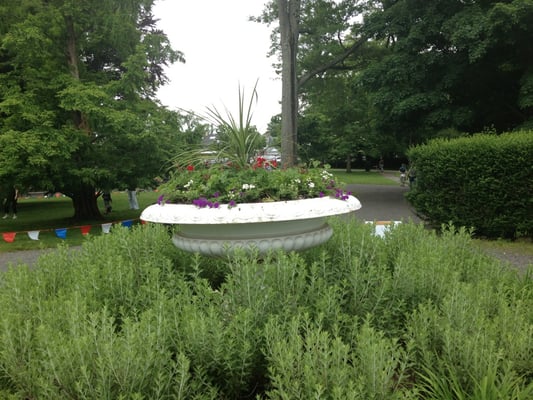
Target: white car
{"x":272,"y":154}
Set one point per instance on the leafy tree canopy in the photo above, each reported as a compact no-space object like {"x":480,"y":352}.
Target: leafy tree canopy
{"x":77,"y":96}
{"x":452,"y":64}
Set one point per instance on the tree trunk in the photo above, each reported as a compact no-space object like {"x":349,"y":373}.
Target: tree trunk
{"x":289,"y":11}
{"x":83,"y":197}
{"x":349,"y":163}
{"x":84,"y":200}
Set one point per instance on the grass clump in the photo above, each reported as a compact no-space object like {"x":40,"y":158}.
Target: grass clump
{"x":413,"y":315}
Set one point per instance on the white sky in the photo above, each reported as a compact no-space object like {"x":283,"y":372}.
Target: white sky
{"x":222,"y":50}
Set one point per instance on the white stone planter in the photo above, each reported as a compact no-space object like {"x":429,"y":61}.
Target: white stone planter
{"x":286,"y":225}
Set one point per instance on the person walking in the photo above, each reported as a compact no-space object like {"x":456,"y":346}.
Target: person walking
{"x":412,"y":176}
{"x":10,"y":202}
{"x":106,"y":196}
{"x":403,"y":177}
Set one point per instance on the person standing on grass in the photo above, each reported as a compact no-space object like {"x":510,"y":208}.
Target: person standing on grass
{"x":10,"y":202}
{"x":107,"y":201}
{"x":132,"y":199}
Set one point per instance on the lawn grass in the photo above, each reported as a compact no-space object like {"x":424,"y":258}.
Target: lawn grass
{"x":363,"y":177}
{"x":48,"y":214}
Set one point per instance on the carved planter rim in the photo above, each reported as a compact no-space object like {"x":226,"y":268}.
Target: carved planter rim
{"x":247,"y":213}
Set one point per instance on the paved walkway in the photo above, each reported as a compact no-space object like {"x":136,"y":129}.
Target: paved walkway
{"x":383,"y":203}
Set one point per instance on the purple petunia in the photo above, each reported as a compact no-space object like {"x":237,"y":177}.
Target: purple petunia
{"x":202,"y":202}
{"x":342,"y":195}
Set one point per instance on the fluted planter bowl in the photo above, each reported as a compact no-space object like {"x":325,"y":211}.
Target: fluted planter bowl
{"x":261,"y":227}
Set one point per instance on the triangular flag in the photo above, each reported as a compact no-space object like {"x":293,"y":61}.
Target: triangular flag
{"x":33,"y":235}
{"x":9,"y":236}
{"x":380,"y":227}
{"x":85,"y":229}
{"x":61,"y":233}
{"x":127,"y":223}
{"x":106,"y":227}
{"x":379,"y":230}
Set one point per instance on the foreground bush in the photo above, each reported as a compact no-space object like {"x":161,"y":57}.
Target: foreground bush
{"x":483,"y":182}
{"x":410,"y":316}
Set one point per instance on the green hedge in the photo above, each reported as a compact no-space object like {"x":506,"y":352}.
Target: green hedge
{"x":414,"y":315}
{"x":483,"y":182}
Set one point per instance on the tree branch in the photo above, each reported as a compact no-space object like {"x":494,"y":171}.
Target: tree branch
{"x":336,"y":60}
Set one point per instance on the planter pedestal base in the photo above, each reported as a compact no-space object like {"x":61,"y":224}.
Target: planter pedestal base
{"x":261,"y":245}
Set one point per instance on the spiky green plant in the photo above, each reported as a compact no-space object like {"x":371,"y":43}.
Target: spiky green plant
{"x":237,"y":141}
{"x":238,"y":138}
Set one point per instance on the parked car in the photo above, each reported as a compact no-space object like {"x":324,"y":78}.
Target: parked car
{"x":272,"y":154}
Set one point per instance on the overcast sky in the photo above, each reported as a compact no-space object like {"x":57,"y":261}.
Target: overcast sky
{"x":222,"y":50}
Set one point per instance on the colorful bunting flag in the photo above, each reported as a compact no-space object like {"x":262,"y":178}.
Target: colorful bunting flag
{"x":61,"y":233}
{"x":9,"y":236}
{"x":33,"y":235}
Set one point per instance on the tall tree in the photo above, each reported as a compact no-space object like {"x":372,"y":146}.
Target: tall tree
{"x":314,"y":36}
{"x":77,"y":96}
{"x":289,"y":14}
{"x":459,"y":65}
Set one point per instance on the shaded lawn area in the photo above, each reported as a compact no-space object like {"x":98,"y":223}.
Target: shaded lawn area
{"x":47,"y":214}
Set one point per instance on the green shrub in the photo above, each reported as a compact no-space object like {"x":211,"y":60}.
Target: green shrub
{"x":482,"y":182}
{"x":408,"y":316}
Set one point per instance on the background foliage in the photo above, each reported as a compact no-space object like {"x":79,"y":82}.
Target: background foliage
{"x":130,"y":316}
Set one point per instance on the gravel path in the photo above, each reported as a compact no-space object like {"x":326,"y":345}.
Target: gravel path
{"x":517,"y":260}
{"x":26,"y":257}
